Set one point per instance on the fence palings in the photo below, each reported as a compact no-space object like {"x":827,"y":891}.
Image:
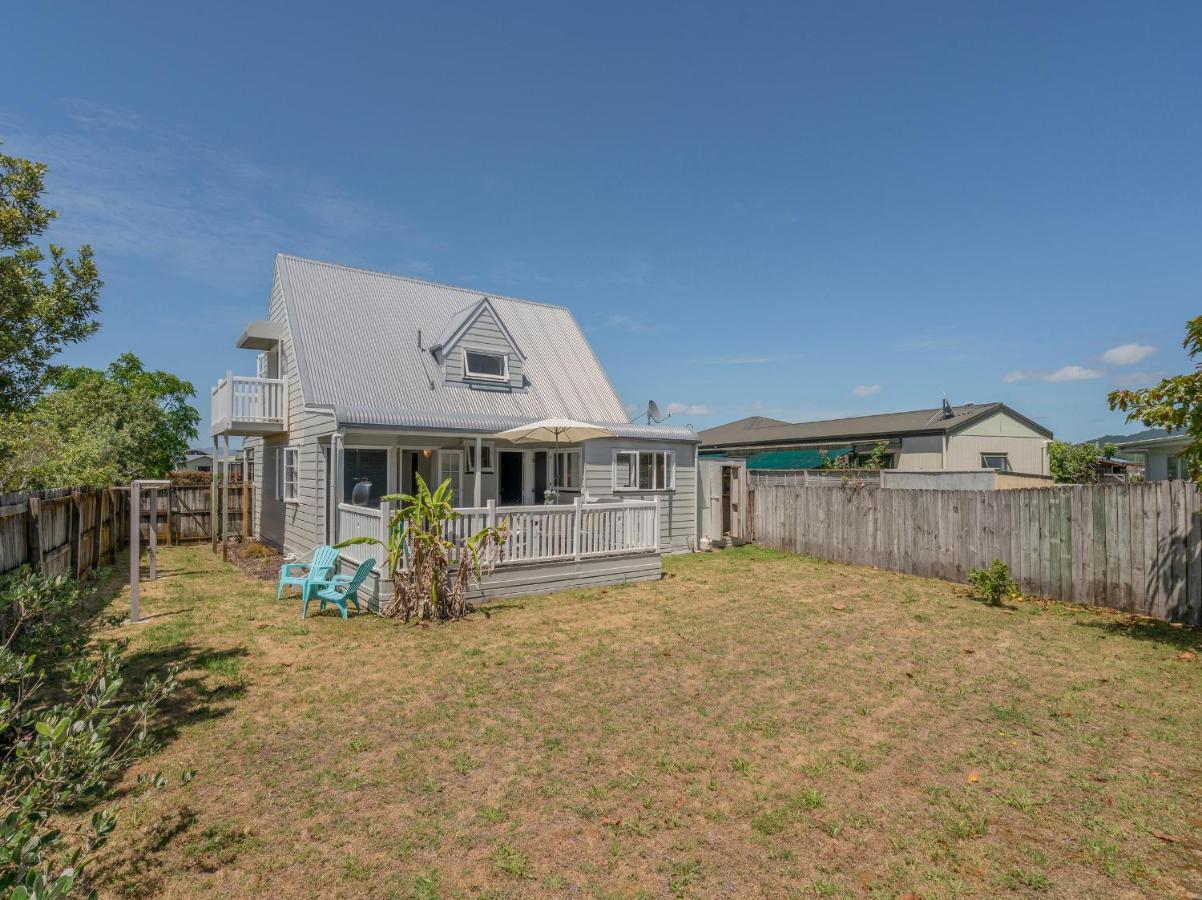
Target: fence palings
{"x":1135,"y":547}
{"x":70,"y":531}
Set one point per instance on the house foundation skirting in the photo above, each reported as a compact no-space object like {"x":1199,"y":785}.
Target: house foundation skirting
{"x":537,"y":577}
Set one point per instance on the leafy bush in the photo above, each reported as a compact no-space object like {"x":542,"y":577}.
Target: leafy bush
{"x":993,"y":584}
{"x":66,"y":732}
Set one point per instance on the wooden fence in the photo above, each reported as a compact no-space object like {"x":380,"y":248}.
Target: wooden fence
{"x":1134,"y":547}
{"x":70,"y":531}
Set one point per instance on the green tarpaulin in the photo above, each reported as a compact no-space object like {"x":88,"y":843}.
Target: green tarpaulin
{"x":784,"y":459}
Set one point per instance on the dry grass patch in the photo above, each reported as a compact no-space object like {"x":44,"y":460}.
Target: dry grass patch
{"x":755,"y":724}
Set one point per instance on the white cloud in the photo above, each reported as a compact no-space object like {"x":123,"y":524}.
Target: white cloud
{"x":1064,"y":373}
{"x":1075,"y":373}
{"x":689,"y":409}
{"x":1128,"y":354}
{"x":866,"y":390}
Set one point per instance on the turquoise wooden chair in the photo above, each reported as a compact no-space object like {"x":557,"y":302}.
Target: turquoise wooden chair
{"x":340,"y":589}
{"x":324,"y":559}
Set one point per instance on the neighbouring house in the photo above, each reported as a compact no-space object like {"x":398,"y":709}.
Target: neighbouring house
{"x":948,"y":438}
{"x":366,"y":380}
{"x":1161,"y":456}
{"x":198,"y":460}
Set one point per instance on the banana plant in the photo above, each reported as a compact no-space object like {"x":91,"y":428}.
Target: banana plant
{"x":418,"y":554}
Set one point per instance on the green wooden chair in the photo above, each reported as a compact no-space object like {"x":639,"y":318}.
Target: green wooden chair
{"x":340,"y":589}
{"x":325,"y":558}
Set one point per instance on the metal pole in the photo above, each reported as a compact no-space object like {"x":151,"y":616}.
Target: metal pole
{"x":135,"y":552}
{"x":213,"y":496}
{"x":153,"y":543}
{"x":225,"y":501}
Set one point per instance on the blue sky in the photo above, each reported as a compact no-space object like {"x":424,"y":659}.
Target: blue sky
{"x":797,"y":210}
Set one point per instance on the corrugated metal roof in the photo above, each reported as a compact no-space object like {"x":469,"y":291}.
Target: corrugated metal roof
{"x":757,"y":430}
{"x":355,"y":335}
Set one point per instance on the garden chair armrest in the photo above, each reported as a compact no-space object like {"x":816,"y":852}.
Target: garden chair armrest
{"x":288,"y":567}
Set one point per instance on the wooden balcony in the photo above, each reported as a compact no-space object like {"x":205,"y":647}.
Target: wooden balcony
{"x":248,"y":407}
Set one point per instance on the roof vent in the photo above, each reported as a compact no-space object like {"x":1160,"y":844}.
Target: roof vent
{"x":948,"y":412}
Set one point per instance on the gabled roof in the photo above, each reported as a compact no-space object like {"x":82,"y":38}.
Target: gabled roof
{"x":757,"y":431}
{"x":461,"y":323}
{"x":355,"y":334}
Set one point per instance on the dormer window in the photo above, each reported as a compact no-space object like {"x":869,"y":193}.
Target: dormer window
{"x":488,"y":366}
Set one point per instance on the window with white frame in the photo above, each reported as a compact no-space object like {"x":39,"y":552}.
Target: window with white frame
{"x":250,"y":466}
{"x":450,"y":465}
{"x":565,"y":470}
{"x":644,"y":470}
{"x":486,"y":457}
{"x":490,"y":366}
{"x":290,"y":475}
{"x":998,"y":461}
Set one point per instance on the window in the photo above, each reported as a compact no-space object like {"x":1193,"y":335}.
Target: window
{"x":290,"y":475}
{"x":366,"y":470}
{"x":493,"y":366}
{"x":644,"y":470}
{"x":250,"y":466}
{"x":486,"y":456}
{"x":564,"y":470}
{"x":450,"y":463}
{"x":998,"y":461}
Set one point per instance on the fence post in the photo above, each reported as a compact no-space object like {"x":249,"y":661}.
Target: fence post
{"x":657,"y":521}
{"x":245,"y":529}
{"x":492,"y":513}
{"x":577,"y":512}
{"x":135,"y":553}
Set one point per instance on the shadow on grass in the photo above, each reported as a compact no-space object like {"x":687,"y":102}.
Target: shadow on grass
{"x":491,"y":608}
{"x":1173,"y":637}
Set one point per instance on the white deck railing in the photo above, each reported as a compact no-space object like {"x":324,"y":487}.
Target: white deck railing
{"x":243,"y":399}
{"x":536,"y":533}
{"x":361,"y":521}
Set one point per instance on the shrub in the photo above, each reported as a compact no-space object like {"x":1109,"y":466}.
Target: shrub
{"x":993,"y":584}
{"x":65,"y":730}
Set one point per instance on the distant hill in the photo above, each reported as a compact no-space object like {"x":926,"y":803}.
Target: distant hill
{"x":1119,"y":438}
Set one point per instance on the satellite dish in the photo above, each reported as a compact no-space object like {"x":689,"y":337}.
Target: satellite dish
{"x":948,"y":413}
{"x":653,"y":414}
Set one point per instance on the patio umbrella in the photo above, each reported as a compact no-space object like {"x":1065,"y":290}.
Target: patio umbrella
{"x":546,"y":430}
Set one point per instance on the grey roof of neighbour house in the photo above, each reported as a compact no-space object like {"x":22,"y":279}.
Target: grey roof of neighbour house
{"x":757,"y":430}
{"x":355,"y":336}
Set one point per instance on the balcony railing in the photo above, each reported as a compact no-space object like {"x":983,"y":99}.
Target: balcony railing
{"x":245,"y":405}
{"x":536,"y":533}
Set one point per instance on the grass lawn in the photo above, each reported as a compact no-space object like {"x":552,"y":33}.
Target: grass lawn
{"x":756,"y":724}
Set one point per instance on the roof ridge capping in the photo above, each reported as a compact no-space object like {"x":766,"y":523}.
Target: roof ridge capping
{"x":438,"y":284}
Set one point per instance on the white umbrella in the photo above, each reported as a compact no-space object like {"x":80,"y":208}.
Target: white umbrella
{"x":545,"y":430}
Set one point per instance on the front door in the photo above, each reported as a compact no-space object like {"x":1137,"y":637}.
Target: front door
{"x":510,"y":478}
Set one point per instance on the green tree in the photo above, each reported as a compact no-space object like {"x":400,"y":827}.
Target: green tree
{"x":1073,"y":463}
{"x":97,"y":428}
{"x":41,"y":311}
{"x":1174,"y":404}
